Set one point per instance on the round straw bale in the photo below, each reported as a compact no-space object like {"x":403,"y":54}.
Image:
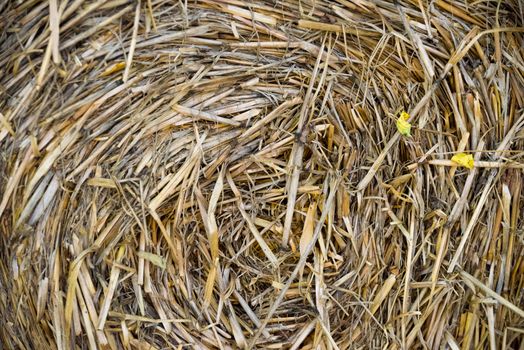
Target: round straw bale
{"x":291,"y":174}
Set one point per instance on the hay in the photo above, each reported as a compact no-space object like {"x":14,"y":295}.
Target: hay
{"x":221,"y":174}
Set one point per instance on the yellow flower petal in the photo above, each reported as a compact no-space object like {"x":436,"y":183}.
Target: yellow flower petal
{"x":463,"y":159}
{"x":403,"y":126}
{"x":404,"y":116}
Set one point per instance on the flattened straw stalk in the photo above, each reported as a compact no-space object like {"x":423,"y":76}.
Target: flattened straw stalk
{"x":223,"y":174}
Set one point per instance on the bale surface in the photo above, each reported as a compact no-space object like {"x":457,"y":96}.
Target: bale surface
{"x":223,"y":174}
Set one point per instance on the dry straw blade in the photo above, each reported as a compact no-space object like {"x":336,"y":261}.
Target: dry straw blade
{"x":269,"y":174}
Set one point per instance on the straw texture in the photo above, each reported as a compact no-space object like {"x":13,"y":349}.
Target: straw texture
{"x":287,"y":174}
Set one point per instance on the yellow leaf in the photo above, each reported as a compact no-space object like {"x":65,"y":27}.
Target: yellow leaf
{"x":210,"y":283}
{"x":403,"y":126}
{"x":463,"y":159}
{"x":309,"y":227}
{"x":113,"y":69}
{"x":154,"y":258}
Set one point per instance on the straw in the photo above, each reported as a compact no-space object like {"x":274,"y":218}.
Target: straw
{"x":226,"y":174}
